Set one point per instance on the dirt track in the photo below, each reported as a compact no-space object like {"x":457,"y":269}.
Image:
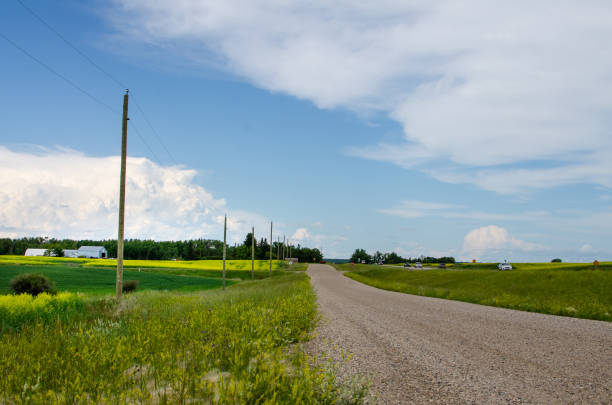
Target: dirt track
{"x":428,"y":350}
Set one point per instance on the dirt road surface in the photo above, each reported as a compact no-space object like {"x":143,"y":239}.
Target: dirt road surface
{"x":427,"y":350}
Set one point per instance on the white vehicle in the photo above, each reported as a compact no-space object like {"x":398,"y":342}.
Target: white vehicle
{"x":504,"y":266}
{"x":418,"y":265}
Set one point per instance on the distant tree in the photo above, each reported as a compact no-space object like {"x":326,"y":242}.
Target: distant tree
{"x":58,"y":251}
{"x":393,"y":258}
{"x":557,"y":260}
{"x":359,"y":255}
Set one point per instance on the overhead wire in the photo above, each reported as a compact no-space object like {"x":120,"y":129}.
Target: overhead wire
{"x":144,"y":141}
{"x":102,"y":70}
{"x":39,"y":18}
{"x":55,"y":72}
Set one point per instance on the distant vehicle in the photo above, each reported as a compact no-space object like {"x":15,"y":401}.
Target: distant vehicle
{"x":406,"y":264}
{"x":418,"y":265}
{"x":504,"y":266}
{"x":323,"y":262}
{"x":442,"y":265}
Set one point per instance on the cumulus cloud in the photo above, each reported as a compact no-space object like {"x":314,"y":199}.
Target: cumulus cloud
{"x":491,"y":241}
{"x":301,"y":234}
{"x":477,"y":84}
{"x":64,"y":193}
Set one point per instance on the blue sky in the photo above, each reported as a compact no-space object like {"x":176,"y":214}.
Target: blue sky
{"x":478,"y":132}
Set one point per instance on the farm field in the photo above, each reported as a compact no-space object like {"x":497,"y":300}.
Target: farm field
{"x":102,"y":280}
{"x":261,"y":265}
{"x":173,"y":347}
{"x":560,"y":289}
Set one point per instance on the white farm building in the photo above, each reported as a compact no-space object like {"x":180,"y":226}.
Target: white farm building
{"x":95,"y":252}
{"x":35,"y":252}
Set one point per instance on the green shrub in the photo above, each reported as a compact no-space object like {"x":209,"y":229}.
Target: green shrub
{"x":557,"y":260}
{"x":130,"y":286}
{"x":32,"y":283}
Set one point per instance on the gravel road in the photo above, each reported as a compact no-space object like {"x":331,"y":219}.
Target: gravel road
{"x":428,"y":350}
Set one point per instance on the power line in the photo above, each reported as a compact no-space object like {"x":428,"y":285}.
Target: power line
{"x":145,"y":142}
{"x":155,"y":132}
{"x":39,"y":18}
{"x":102,"y":70}
{"x":55,"y":72}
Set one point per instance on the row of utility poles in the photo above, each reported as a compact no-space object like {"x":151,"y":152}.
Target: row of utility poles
{"x":120,"y":233}
{"x":285,"y":246}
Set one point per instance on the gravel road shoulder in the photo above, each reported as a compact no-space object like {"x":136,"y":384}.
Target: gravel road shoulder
{"x":426,"y":350}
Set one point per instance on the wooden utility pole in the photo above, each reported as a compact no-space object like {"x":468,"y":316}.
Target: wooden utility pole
{"x":253,"y":254}
{"x":224,"y":248}
{"x":283,"y":247}
{"x":271,"y":244}
{"x":119,"y":284}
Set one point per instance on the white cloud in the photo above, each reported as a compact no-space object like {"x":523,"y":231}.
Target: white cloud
{"x":492,"y":241}
{"x":415,"y":208}
{"x":64,"y":193}
{"x":477,"y":84}
{"x":300,"y":235}
{"x":586,"y":248}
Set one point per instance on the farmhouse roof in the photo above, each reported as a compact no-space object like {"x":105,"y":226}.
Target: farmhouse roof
{"x":94,"y":248}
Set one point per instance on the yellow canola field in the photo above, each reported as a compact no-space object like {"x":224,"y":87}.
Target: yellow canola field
{"x":17,"y":309}
{"x":170,"y":264}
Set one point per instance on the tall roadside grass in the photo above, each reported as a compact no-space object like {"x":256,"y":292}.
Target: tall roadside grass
{"x":581,"y":294}
{"x":229,"y":347}
{"x":17,"y":310}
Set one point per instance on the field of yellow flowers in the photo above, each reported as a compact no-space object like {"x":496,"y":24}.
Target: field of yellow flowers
{"x":167,"y":264}
{"x":233,"y":346}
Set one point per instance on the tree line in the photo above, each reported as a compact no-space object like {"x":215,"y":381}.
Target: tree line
{"x":193,"y":249}
{"x":360,"y":255}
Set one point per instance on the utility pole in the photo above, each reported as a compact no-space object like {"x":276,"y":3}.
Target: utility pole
{"x":253,"y":254}
{"x":270,"y":247}
{"x":224,"y":248}
{"x":283,"y":247}
{"x":119,"y":284}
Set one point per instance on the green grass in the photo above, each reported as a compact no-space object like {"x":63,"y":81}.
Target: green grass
{"x":571,"y":290}
{"x":219,"y":347}
{"x":102,"y":281}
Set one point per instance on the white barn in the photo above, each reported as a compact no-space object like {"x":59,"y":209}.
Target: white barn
{"x":71,"y":253}
{"x":95,"y":252}
{"x":35,"y":252}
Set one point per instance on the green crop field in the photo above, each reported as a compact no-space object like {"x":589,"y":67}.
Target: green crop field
{"x":169,"y":264}
{"x":561,"y":289}
{"x":217,"y":347}
{"x":102,"y":280}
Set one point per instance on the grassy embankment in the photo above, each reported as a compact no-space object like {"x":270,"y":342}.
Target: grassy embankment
{"x":216,"y":346}
{"x":570,"y":289}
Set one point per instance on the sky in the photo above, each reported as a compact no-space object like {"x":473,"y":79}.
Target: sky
{"x":474,"y":129}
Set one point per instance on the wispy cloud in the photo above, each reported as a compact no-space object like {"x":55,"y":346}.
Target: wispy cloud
{"x":477,"y":85}
{"x":415,"y":208}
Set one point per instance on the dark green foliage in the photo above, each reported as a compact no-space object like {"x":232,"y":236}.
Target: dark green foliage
{"x":130,"y":286}
{"x":359,"y":255}
{"x":557,"y":260}
{"x":136,"y":249}
{"x":32,"y":284}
